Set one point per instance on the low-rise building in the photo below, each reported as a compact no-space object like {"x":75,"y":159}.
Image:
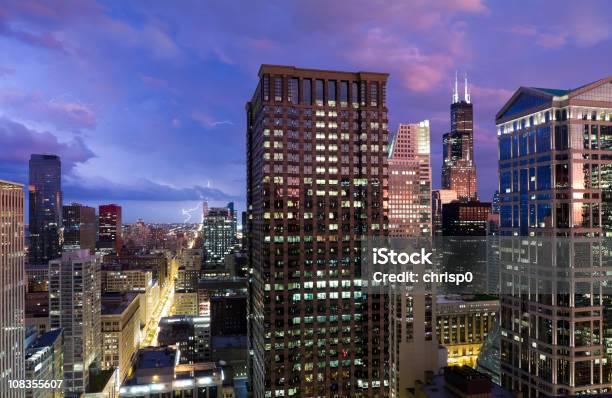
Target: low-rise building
{"x":462,"y":325}
{"x":120,"y":331}
{"x":44,"y":361}
{"x":156,"y":374}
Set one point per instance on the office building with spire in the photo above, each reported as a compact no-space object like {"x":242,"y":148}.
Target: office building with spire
{"x":458,"y":168}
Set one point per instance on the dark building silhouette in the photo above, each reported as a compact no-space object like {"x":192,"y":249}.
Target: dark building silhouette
{"x":79,"y":227}
{"x":465,"y":218}
{"x":228,"y":315}
{"x":316,"y":186}
{"x":45,"y":189}
{"x":458,"y":169}
{"x":190,"y":334}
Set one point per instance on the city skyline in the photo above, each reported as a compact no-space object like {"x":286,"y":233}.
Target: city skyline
{"x":161,"y":127}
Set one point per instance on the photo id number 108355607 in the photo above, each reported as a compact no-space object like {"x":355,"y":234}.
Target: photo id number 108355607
{"x":36,"y":384}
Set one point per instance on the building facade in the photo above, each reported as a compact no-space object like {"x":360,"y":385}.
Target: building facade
{"x":458,"y":168}
{"x":79,"y":227}
{"x":45,"y":221}
{"x":410,"y":211}
{"x":316,"y":187}
{"x":555,"y":179}
{"x":462,"y":326}
{"x":439,"y":198}
{"x":120,"y":320}
{"x":12,"y":291}
{"x":190,"y":334}
{"x":74,"y":306}
{"x":219,"y":235}
{"x":44,"y":360}
{"x":465,"y":218}
{"x":109,"y":227}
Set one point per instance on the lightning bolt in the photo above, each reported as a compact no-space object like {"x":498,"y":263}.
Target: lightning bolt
{"x":187,"y":212}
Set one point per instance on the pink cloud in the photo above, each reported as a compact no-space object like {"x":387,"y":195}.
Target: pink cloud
{"x":417,"y":71}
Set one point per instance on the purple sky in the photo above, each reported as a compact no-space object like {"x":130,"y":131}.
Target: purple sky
{"x":144,"y":101}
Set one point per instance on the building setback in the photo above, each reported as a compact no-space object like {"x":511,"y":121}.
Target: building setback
{"x":12,"y":291}
{"x":316,"y":186}
{"x":458,"y":168}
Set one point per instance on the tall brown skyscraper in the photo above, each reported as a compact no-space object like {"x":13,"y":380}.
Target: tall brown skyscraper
{"x":316,"y":187}
{"x":458,"y":169}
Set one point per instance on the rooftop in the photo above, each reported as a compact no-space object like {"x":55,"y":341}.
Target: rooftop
{"x":155,"y":357}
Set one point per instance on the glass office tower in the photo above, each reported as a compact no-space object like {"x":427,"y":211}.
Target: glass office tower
{"x":555,"y":198}
{"x":45,"y":208}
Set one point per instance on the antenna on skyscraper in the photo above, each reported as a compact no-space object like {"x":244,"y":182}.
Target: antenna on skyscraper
{"x":456,"y":91}
{"x":467,"y":94}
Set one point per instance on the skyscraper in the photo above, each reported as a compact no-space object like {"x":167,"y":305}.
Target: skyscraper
{"x":316,"y":187}
{"x":109,"y":227}
{"x":218,"y":235}
{"x":12,"y":289}
{"x":45,"y":173}
{"x":410,"y":181}
{"x":458,"y":169}
{"x":555,"y":179}
{"x":79,"y":227}
{"x":74,"y":305}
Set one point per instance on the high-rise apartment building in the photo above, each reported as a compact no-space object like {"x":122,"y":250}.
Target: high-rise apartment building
{"x":109,"y":227}
{"x":45,"y":222}
{"x":458,"y":169}
{"x":74,"y":305}
{"x":316,"y":188}
{"x":410,"y":181}
{"x":79,"y":227}
{"x":12,"y":287}
{"x":555,"y":179}
{"x":411,"y":317}
{"x":219,"y":235}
